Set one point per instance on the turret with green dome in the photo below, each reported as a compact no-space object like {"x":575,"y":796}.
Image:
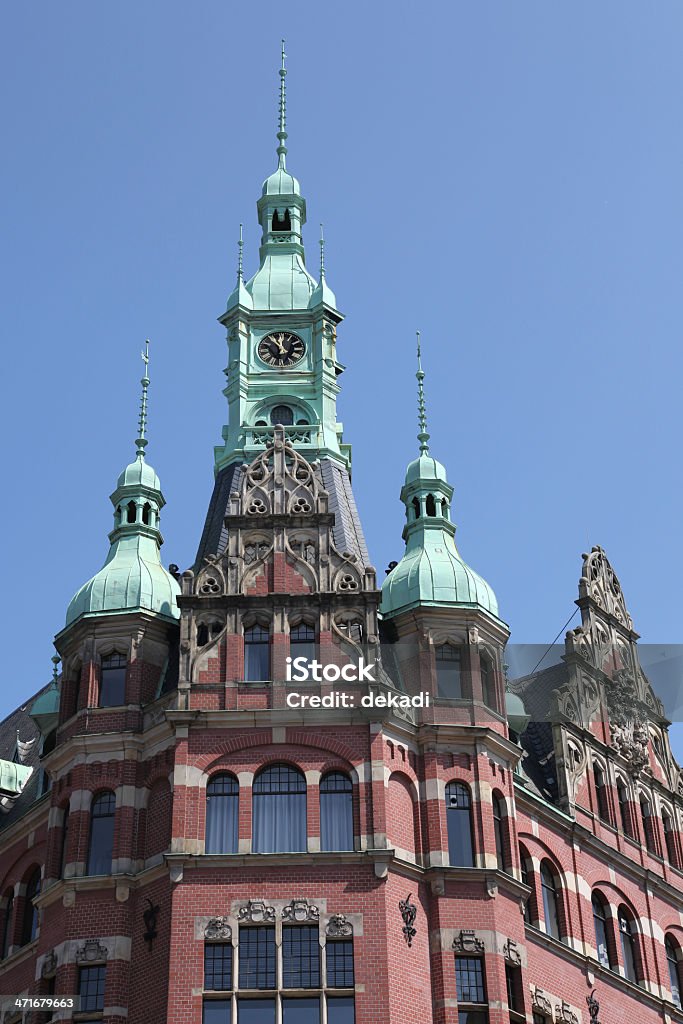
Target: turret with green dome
{"x":431,"y":572}
{"x":132,"y":577}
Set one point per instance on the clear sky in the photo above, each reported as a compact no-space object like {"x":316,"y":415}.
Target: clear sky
{"x":504,"y":176}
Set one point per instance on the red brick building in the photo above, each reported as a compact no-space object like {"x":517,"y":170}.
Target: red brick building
{"x":188,"y":836}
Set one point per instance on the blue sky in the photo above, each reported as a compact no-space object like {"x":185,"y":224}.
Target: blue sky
{"x":506,"y":177}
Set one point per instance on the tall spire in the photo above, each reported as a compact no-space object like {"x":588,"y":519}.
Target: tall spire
{"x":322,"y":253}
{"x":240,"y":247}
{"x":282,"y":132}
{"x":141,"y":440}
{"x":423,"y":436}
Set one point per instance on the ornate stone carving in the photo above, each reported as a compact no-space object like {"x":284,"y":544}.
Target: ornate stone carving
{"x":564,"y":1014}
{"x":91,"y":951}
{"x":468,"y":942}
{"x":599,"y":582}
{"x":49,"y":967}
{"x":511,"y":953}
{"x":408,"y":913}
{"x":338,"y":926}
{"x":257,"y":912}
{"x":218,"y":928}
{"x":593,"y":1008}
{"x":300,"y":910}
{"x":540,"y":1001}
{"x":628,"y":721}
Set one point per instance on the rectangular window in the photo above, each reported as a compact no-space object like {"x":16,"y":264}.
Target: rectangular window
{"x":300,"y":957}
{"x":513,"y":985}
{"x":113,"y":681}
{"x":473,"y":1017}
{"x":301,"y":1011}
{"x":340,"y":964}
{"x":340,"y":1010}
{"x":257,"y":959}
{"x":469,"y":979}
{"x":448,"y":683}
{"x":216,"y":1011}
{"x":218,"y":966}
{"x":255,"y":1011}
{"x":91,"y":987}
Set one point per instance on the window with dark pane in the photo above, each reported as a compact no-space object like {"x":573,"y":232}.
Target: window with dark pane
{"x":254,"y":1011}
{"x":217,"y":966}
{"x":670,"y":838}
{"x":29,"y":925}
{"x":302,"y":642}
{"x":473,"y":1017}
{"x":7,"y":925}
{"x":300,"y":956}
{"x":601,"y":792}
{"x":257,"y":957}
{"x":448,"y":683}
{"x":628,"y":949}
{"x":301,"y":1011}
{"x":222,"y":814}
{"x":336,"y":812}
{"x":279,"y":810}
{"x":353,"y":629}
{"x":499,"y":829}
{"x":488,"y":683}
{"x":459,"y":824}
{"x":216,"y":1011}
{"x":101,"y":843}
{"x":91,"y":987}
{"x":513,"y":988}
{"x":340,"y":1010}
{"x":673,"y":963}
{"x":527,"y":880}
{"x":600,"y":923}
{"x":539,"y":1018}
{"x":340,"y":963}
{"x":281,"y":415}
{"x":549,"y":892}
{"x":624,"y":808}
{"x":113,"y":681}
{"x":469,"y":979}
{"x":256,"y":654}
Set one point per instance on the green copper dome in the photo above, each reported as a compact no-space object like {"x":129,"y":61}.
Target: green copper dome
{"x":516,"y":713}
{"x":425,"y":468}
{"x":281,"y":183}
{"x":132,"y":578}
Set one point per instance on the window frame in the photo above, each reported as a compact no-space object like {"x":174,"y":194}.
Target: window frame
{"x":111,"y":814}
{"x":465,"y":813}
{"x":232,"y":802}
{"x":113,"y":663}
{"x":346,"y":804}
{"x":551,"y":909}
{"x":253,"y":672}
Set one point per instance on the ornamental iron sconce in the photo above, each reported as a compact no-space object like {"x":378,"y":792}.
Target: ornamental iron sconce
{"x":149,"y":916}
{"x":408,"y":913}
{"x":593,"y":1008}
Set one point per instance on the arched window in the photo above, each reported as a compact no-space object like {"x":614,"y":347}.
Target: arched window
{"x":416,"y":508}
{"x":624,"y":808}
{"x":281,"y":223}
{"x":146,"y":513}
{"x":336,"y":812}
{"x":550,"y":906}
{"x":672,"y":960}
{"x":527,"y":879}
{"x":222,"y":809}
{"x":202,"y":634}
{"x":113,"y":681}
{"x":601,"y":793}
{"x":628,"y":945}
{"x":448,"y":683}
{"x":281,"y":415}
{"x":279,"y":810}
{"x":499,"y":828}
{"x":459,"y":824}
{"x":7,"y":925}
{"x":600,"y":924}
{"x":131,"y":512}
{"x":256,"y":654}
{"x":302,"y":642}
{"x":64,"y":841}
{"x":430,"y":506}
{"x":101,"y":840}
{"x":648,"y":825}
{"x":29,"y":924}
{"x":488,"y":686}
{"x":353,"y":629}
{"x":670,"y":838}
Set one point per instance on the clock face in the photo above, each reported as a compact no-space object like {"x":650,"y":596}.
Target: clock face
{"x":281,"y":348}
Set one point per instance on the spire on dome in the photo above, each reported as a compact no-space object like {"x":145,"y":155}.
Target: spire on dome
{"x":423,"y":436}
{"x":322,"y":253}
{"x":282,"y":127}
{"x":141,"y":440}
{"x":240,"y":258}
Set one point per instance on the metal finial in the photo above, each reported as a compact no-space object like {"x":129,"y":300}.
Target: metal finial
{"x":423,"y":436}
{"x":322,"y":253}
{"x":141,"y":440}
{"x":55,"y":662}
{"x":282,"y":132}
{"x":239,"y":258}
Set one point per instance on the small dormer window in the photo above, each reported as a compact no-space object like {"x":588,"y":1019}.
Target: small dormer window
{"x":130,"y":512}
{"x":281,"y":223}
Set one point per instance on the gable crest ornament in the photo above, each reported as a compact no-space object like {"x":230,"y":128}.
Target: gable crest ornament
{"x":600,"y":582}
{"x":299,"y":911}
{"x":628,"y":721}
{"x":91,"y":951}
{"x":257,"y":912}
{"x":467,"y":942}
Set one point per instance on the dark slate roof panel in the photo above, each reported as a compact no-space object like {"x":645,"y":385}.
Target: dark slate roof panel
{"x":215,"y":535}
{"x":20,"y":722}
{"x":347,"y":532}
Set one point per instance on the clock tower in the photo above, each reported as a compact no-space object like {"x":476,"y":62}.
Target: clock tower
{"x":282,"y":365}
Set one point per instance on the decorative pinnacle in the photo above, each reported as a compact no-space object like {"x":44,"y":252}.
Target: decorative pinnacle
{"x":423,"y":436}
{"x":55,"y":662}
{"x":322,"y":253}
{"x":141,"y":440}
{"x":239,"y":258}
{"x":282,"y":133}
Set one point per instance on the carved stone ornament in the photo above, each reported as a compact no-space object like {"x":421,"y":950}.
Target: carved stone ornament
{"x":593,"y":1008}
{"x":91,"y":951}
{"x":564,"y":1014}
{"x":257,"y":912}
{"x":599,"y":582}
{"x":49,"y":968}
{"x":338,"y":926}
{"x":540,"y":1001}
{"x":218,"y":928}
{"x":467,"y":942}
{"x":300,"y":910}
{"x":628,"y":721}
{"x":511,"y":953}
{"x":408,"y":913}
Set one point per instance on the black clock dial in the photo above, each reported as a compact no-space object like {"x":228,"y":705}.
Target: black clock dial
{"x":281,"y":348}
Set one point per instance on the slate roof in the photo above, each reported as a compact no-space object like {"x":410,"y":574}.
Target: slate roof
{"x":214,"y":539}
{"x":538,"y":763}
{"x":20,"y":721}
